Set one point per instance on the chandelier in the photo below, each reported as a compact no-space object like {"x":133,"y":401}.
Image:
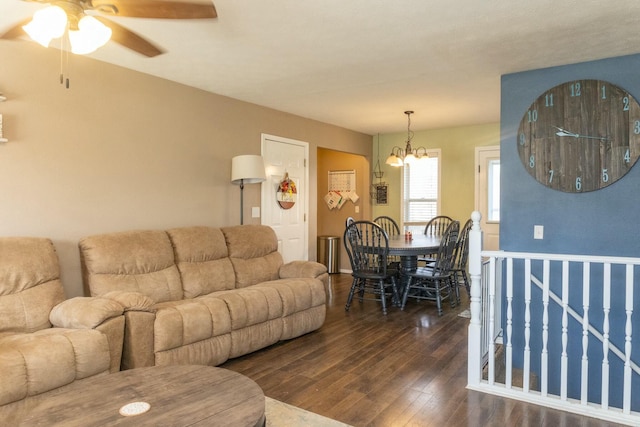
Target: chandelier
{"x":85,"y":33}
{"x":398,"y":156}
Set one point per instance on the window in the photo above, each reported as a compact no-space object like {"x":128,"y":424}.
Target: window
{"x":421,"y":192}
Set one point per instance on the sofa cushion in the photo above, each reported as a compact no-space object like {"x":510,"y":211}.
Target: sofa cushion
{"x":297,"y":294}
{"x":253,"y":250}
{"x":140,"y":261}
{"x":35,"y":363}
{"x":251,"y":306}
{"x":184,"y":322}
{"x":202,"y":258}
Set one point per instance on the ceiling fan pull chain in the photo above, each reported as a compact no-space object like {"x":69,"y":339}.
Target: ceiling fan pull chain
{"x":64,"y":60}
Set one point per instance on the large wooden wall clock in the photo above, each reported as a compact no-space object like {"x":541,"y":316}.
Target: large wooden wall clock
{"x":580,"y":136}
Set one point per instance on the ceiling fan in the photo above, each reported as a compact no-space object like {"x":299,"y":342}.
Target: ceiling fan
{"x":83,"y":16}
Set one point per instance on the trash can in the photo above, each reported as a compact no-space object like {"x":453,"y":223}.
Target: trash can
{"x":329,"y":253}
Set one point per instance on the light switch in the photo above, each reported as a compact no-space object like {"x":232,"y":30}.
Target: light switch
{"x":538,"y":232}
{"x":357,"y":209}
{"x":255,"y":212}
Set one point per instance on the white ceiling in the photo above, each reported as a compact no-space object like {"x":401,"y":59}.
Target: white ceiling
{"x":360,"y":64}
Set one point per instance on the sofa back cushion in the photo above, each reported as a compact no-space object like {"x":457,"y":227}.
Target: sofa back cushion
{"x":253,"y":250}
{"x":203,"y":260}
{"x":29,"y":283}
{"x":138,"y":261}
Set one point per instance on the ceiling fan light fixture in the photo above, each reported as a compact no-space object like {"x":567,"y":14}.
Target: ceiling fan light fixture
{"x":47,"y":24}
{"x":91,"y":35}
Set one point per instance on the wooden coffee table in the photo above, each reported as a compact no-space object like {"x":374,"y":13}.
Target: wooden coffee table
{"x":183,"y":395}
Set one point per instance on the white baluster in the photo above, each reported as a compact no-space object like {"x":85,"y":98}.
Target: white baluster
{"x":584,"y":378}
{"x":527,"y":325}
{"x":606,"y":307}
{"x":564,"y":362}
{"x":492,"y":295}
{"x":474,"y":359}
{"x":628,"y":306}
{"x":544,"y":356}
{"x":508,"y":347}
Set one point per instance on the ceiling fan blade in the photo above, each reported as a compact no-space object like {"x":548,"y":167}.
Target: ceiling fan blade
{"x":15,"y":31}
{"x":129,"y":39}
{"x":155,"y":9}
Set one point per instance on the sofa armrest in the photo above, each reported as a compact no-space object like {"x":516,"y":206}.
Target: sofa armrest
{"x":295,"y":269}
{"x":84,"y":312}
{"x":131,"y":301}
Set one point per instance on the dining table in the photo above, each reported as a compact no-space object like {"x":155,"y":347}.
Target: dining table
{"x":409,"y":250}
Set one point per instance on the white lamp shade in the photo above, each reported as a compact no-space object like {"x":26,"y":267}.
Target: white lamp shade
{"x":248,"y":168}
{"x":410,"y":158}
{"x":47,"y":24}
{"x":394,"y":160}
{"x":91,"y":35}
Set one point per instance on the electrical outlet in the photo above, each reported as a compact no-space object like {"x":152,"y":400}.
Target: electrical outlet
{"x":538,"y":232}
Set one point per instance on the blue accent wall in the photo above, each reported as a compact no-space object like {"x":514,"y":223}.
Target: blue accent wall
{"x":602,"y":222}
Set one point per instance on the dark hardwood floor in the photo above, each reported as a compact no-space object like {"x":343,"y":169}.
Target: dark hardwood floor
{"x":408,"y":368}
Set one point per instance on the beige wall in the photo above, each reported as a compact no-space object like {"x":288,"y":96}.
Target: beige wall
{"x":457,"y":166}
{"x":331,"y":222}
{"x":121,"y":150}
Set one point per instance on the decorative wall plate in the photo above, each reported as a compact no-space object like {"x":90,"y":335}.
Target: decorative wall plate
{"x":287,"y":193}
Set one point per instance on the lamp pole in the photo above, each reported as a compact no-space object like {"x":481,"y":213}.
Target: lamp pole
{"x":241,"y":201}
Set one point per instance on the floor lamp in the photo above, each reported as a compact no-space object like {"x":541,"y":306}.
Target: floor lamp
{"x":246,"y":169}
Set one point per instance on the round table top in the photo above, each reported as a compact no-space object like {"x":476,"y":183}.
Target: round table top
{"x":420,"y":244}
{"x":182,"y":395}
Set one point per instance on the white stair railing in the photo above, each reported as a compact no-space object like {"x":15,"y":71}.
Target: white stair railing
{"x":536,"y":353}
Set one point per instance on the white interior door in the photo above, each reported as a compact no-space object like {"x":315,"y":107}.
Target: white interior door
{"x":286,"y":156}
{"x":487,"y":195}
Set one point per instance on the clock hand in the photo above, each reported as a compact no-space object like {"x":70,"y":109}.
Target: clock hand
{"x":563,"y":132}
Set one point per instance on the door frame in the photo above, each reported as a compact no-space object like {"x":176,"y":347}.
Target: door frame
{"x":478,"y":182}
{"x":267,"y":197}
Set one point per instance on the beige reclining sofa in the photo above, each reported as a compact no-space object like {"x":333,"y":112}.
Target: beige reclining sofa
{"x":47,"y":342}
{"x":202,"y":295}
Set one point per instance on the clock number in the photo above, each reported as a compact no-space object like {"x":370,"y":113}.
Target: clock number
{"x":578,"y":184}
{"x":627,"y":156}
{"x":532,"y":162}
{"x":576,"y":89}
{"x":625,"y":103}
{"x":605,"y":175}
{"x":548,"y":100}
{"x":636,"y":127}
{"x":550,"y":176}
{"x":523,"y":139}
{"x":604,"y":92}
{"x":533,"y":116}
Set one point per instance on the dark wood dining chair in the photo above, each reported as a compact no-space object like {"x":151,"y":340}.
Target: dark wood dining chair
{"x":367,"y":245}
{"x":435,"y":228}
{"x":437,"y":225}
{"x":460,"y":259}
{"x":388,"y":224}
{"x":434,"y":282}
